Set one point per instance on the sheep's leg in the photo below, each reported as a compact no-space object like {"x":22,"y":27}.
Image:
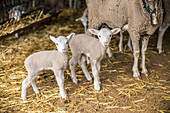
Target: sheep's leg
{"x":75,"y":4}
{"x":121,"y":42}
{"x":70,"y":3}
{"x":135,"y":43}
{"x":145,"y":41}
{"x":73,"y":63}
{"x":161,"y":33}
{"x":84,"y":68}
{"x":129,"y":44}
{"x":108,"y":51}
{"x":60,"y":80}
{"x":35,"y":86}
{"x":25,"y":84}
{"x":95,"y":75}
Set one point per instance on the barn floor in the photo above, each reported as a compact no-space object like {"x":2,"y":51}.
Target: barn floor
{"x":120,"y":93}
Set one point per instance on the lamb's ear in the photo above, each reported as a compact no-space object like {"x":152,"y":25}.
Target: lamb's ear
{"x":70,"y":36}
{"x":115,"y":31}
{"x":94,"y":31}
{"x":78,"y":19}
{"x":53,"y":38}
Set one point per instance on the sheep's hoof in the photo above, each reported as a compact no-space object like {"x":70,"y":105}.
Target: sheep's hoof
{"x":97,"y":87}
{"x":138,"y":77}
{"x":145,"y":73}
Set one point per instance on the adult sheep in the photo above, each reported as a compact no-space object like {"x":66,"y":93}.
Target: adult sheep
{"x":140,"y":20}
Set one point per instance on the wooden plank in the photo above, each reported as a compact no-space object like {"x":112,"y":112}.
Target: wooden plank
{"x":30,"y":25}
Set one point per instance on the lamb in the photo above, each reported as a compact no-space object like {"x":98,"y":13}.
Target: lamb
{"x":16,"y":13}
{"x":48,"y":60}
{"x":141,"y":21}
{"x":84,"y":19}
{"x":83,"y":46}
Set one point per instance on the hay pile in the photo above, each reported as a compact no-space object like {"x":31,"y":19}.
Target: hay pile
{"x":14,"y":25}
{"x":119,"y":93}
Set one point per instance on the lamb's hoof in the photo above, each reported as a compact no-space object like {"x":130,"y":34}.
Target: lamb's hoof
{"x":110,"y":55}
{"x":89,"y":78}
{"x":37,"y":91}
{"x":24,"y":98}
{"x":121,"y":51}
{"x":97,"y":87}
{"x":64,"y":96}
{"x":75,"y":80}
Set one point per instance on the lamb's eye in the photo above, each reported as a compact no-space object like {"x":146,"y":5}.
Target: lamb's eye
{"x":66,"y":42}
{"x":110,"y":36}
{"x":57,"y":44}
{"x":99,"y":36}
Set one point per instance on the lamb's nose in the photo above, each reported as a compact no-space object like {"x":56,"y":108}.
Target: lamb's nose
{"x":105,"y":43}
{"x":63,"y":50}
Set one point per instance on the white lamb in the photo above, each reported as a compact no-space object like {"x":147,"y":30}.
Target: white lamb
{"x":83,"y":45}
{"x":84,"y":19}
{"x":48,"y":60}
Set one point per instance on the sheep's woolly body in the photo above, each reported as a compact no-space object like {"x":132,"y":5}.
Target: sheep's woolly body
{"x":81,"y":44}
{"x":166,"y":4}
{"x":117,"y":13}
{"x":43,"y":59}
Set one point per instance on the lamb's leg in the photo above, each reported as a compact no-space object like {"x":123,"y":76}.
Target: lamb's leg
{"x":25,"y":84}
{"x":84,"y":68}
{"x":121,"y":42}
{"x":35,"y":86}
{"x":73,"y":63}
{"x":95,"y":75}
{"x":129,"y":44}
{"x":161,"y":33}
{"x":145,"y":41}
{"x":98,"y":66}
{"x":60,"y":80}
{"x":135,"y":43}
{"x":108,"y":51}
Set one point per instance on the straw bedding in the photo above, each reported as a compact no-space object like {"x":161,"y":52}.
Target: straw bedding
{"x":119,"y":93}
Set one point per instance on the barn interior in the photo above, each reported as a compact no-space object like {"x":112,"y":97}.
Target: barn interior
{"x":120,"y":92}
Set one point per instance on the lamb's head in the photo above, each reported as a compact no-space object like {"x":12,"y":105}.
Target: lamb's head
{"x":105,"y":35}
{"x":84,"y":21}
{"x":62,"y":42}
{"x":17,"y":14}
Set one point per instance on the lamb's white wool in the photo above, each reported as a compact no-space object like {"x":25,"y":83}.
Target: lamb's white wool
{"x":84,"y":19}
{"x":84,"y":45}
{"x":48,"y":60}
